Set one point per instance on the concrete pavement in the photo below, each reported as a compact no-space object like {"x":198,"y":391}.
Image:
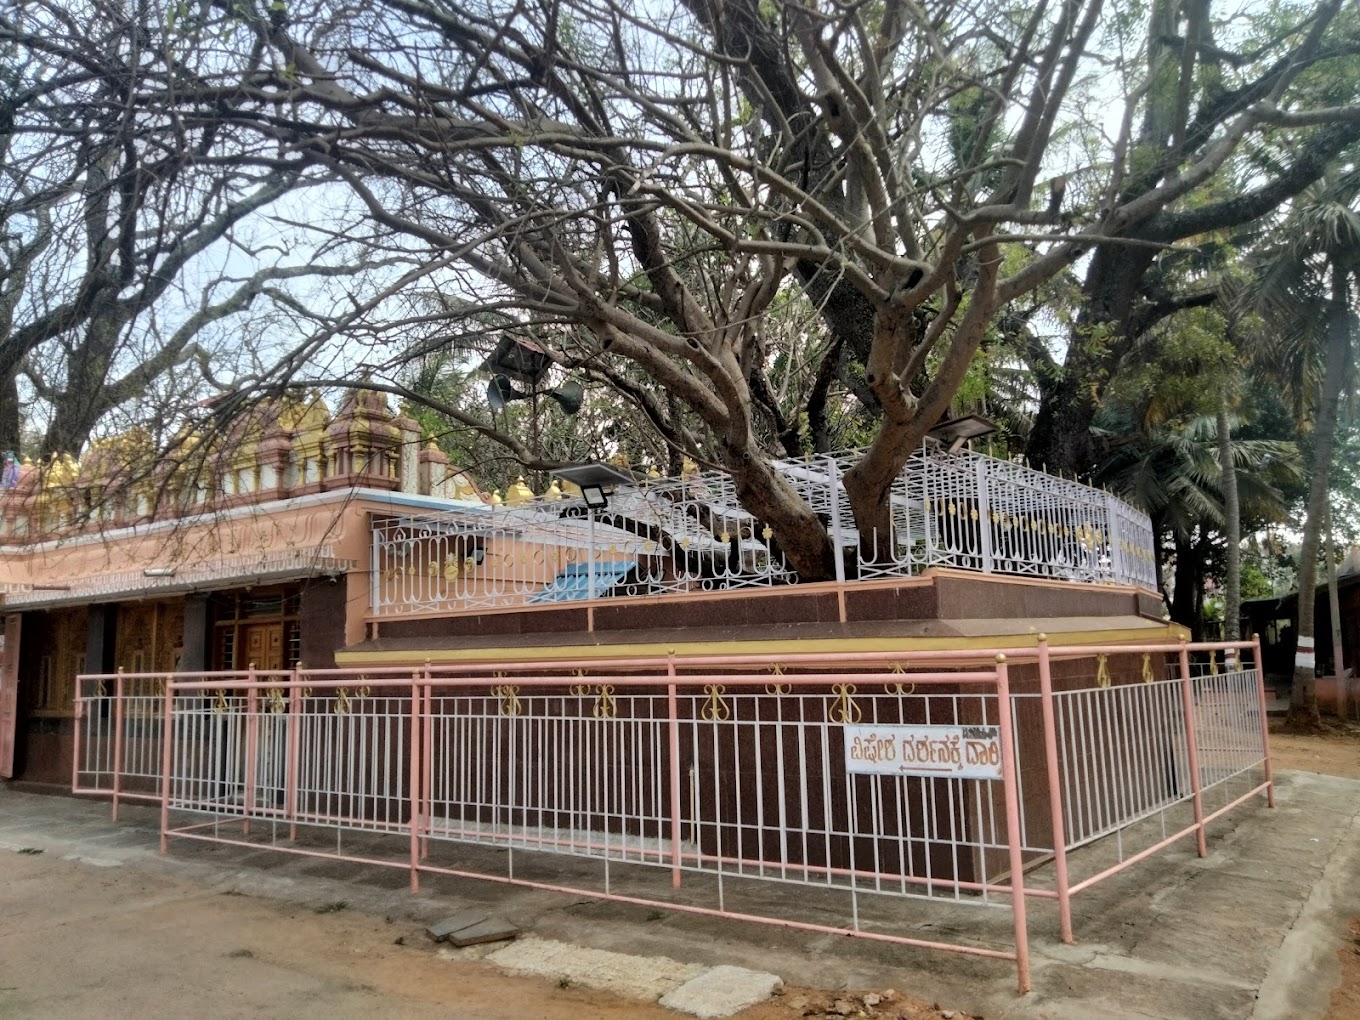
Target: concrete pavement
{"x":1250,"y":931}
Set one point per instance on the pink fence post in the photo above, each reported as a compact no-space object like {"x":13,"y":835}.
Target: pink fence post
{"x":673,"y":726}
{"x":1013,"y":838}
{"x":290,"y":779}
{"x":252,"y":746}
{"x":1192,"y":749}
{"x":117,"y":740}
{"x":414,"y":792}
{"x":1055,"y":801}
{"x":1265,"y":728}
{"x":167,"y":758}
{"x":79,"y":713}
{"x":427,"y":756}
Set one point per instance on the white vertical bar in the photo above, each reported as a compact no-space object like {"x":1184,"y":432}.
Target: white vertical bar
{"x":984,"y":523}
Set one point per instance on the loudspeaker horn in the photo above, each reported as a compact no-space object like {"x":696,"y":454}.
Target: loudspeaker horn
{"x":499,"y":392}
{"x":570,"y":395}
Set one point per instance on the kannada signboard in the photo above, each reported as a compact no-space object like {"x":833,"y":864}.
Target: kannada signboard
{"x":954,"y":752}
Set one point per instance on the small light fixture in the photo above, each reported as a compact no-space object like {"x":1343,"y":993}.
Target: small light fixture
{"x":594,"y":496}
{"x":597,"y":481}
{"x":954,"y":433}
{"x":159,"y":572}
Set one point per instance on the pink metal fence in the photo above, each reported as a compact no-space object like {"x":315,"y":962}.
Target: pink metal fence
{"x":864,"y":779}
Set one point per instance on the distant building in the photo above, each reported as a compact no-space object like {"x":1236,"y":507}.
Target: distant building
{"x":1276,"y":619}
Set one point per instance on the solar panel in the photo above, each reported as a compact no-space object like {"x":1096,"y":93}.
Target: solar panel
{"x":573,"y":584}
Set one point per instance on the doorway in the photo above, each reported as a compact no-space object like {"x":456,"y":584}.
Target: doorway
{"x":257,"y":628}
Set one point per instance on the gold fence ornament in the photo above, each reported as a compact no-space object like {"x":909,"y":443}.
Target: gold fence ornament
{"x":844,"y":710}
{"x":605,"y":705}
{"x":277,"y":703}
{"x":1213,"y":662}
{"x":509,"y":695}
{"x":715,"y":709}
{"x":1148,"y":675}
{"x":579,"y":690}
{"x":220,"y":703}
{"x":1103,"y":671}
{"x":778,"y":689}
{"x":342,"y":700}
{"x":899,"y":688}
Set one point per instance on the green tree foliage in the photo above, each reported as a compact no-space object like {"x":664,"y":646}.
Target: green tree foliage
{"x":648,"y":191}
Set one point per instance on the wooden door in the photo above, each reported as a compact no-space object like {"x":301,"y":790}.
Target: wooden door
{"x":261,"y":644}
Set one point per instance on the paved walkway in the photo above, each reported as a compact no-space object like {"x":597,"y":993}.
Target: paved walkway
{"x":1251,"y":931}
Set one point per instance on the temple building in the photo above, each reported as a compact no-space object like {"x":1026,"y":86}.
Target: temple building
{"x":348,"y":539}
{"x":254,"y":551}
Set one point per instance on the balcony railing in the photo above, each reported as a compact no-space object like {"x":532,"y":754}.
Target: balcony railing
{"x":690,"y":534}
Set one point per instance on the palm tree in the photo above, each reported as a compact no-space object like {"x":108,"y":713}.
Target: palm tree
{"x":1305,"y":292}
{"x":1172,"y":469}
{"x":1232,"y":521}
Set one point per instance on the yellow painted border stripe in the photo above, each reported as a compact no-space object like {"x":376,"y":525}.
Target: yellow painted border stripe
{"x":544,"y":653}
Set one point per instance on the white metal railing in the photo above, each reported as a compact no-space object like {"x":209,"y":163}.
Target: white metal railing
{"x":872,"y":776}
{"x":690,"y":534}
{"x":717,"y":775}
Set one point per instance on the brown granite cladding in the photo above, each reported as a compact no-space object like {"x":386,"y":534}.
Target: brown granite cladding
{"x":551,"y":621}
{"x":917,"y":602}
{"x":992,"y":598}
{"x":321,"y":624}
{"x":44,"y":749}
{"x":1150,"y":605}
{"x":940,"y":597}
{"x":791,"y":606}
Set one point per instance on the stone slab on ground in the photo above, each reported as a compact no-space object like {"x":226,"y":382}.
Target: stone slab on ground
{"x":493,"y":929}
{"x":722,"y":991}
{"x":637,"y":977}
{"x":442,"y":929}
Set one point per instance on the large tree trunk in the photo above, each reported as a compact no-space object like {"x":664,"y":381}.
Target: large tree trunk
{"x":9,"y":415}
{"x":1061,"y":440}
{"x":1189,"y":578}
{"x":796,"y":530}
{"x":1334,"y":603}
{"x":1232,"y":527}
{"x":1303,"y":703}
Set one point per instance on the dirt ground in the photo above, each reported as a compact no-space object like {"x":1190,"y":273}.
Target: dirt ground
{"x":1333,"y":753}
{"x":84,"y":941}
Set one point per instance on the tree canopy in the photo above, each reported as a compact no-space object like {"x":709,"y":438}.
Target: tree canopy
{"x":647,"y":193}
